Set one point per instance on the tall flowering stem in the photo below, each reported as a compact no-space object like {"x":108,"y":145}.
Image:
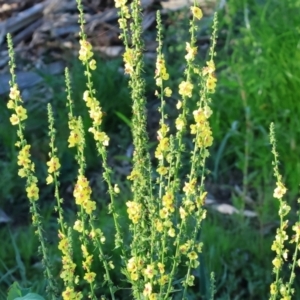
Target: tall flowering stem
{"x":279,"y":288}
{"x":64,"y":232}
{"x":27,"y":168}
{"x":142,"y":206}
{"x":96,"y":115}
{"x":191,"y":209}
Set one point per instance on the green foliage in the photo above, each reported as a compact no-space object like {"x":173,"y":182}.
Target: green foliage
{"x":17,"y":293}
{"x":259,"y":82}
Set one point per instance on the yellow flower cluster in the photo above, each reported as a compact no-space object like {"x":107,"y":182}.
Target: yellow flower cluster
{"x":85,"y":52}
{"x":202,"y":128}
{"x":189,"y":187}
{"x":96,"y":115}
{"x":87,"y":262}
{"x":95,"y":111}
{"x":75,"y":138}
{"x":128,"y":58}
{"x":134,"y":175}
{"x":185,"y":89}
{"x":134,"y":211}
{"x":154,"y":272}
{"x":70,"y":294}
{"x":148,"y":292}
{"x":24,"y":161}
{"x":53,"y":167}
{"x":180,"y":123}
{"x":27,"y":166}
{"x":32,"y":191}
{"x":161,"y":71}
{"x":82,"y":194}
{"x":100,"y":136}
{"x":134,"y":267}
{"x":168,"y":202}
{"x":209,"y":73}
{"x":191,"y":52}
{"x":124,"y":10}
{"x":162,"y":148}
{"x":163,"y":145}
{"x":68,"y":269}
{"x":279,"y":191}
{"x":14,"y":104}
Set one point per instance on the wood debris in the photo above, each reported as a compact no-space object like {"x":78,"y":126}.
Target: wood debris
{"x":47,"y":30}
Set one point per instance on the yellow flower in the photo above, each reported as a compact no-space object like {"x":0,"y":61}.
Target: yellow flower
{"x":163,"y":213}
{"x":161,"y":268}
{"x":49,"y":179}
{"x":14,"y":92}
{"x":90,"y":277}
{"x":149,"y":272}
{"x":14,"y":119}
{"x":211,"y":83}
{"x":182,"y":213}
{"x":111,"y":264}
{"x":32,"y":192}
{"x":210,"y":69}
{"x":89,"y":206}
{"x":197,"y":12}
{"x":185,"y":89}
{"x":128,"y":57}
{"x":168,"y":92}
{"x":179,"y":104}
{"x":24,"y":157}
{"x":22,"y":173}
{"x":92,"y":64}
{"x":163,"y":280}
{"x":53,"y":164}
{"x":70,"y":294}
{"x":134,"y":276}
{"x":148,"y":289}
{"x":180,"y":124}
{"x":199,"y":116}
{"x":21,"y":112}
{"x":120,"y":3}
{"x":153,"y":296}
{"x":159,"y":226}
{"x":161,"y":71}
{"x":10,"y":104}
{"x":192,"y":255}
{"x":162,"y":170}
{"x":191,"y":52}
{"x":279,"y":191}
{"x":100,"y":136}
{"x":85,"y":52}
{"x":183,"y":248}
{"x":171,"y":232}
{"x":162,"y":132}
{"x":116,"y":189}
{"x":276,"y":262}
{"x":74,"y":138}
{"x":134,"y":211}
{"x":190,"y":280}
{"x":63,"y":245}
{"x":131,"y":265}
{"x":78,"y":226}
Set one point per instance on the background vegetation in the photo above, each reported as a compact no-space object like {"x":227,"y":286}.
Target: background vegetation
{"x":258,"y":74}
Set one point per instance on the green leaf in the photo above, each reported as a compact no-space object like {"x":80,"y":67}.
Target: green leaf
{"x":124,"y":119}
{"x":30,"y":296}
{"x":15,"y":291}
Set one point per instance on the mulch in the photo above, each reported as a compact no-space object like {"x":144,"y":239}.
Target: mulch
{"x":45,"y":33}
